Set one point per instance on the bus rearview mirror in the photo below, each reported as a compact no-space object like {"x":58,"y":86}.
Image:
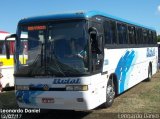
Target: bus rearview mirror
{"x":7,"y":51}
{"x":7,"y":46}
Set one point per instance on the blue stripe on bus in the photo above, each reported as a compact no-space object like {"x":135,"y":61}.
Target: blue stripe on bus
{"x":122,"y":70}
{"x":26,"y":96}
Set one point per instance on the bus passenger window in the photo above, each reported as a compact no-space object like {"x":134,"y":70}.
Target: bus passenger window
{"x":122,"y":33}
{"x":131,"y":35}
{"x":139,"y":36}
{"x":145,"y":37}
{"x":107,"y":33}
{"x":150,"y":38}
{"x":154,"y":37}
{"x":113,"y":32}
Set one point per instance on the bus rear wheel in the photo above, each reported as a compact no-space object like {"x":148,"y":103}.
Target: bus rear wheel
{"x":1,"y":88}
{"x":110,"y":93}
{"x":149,"y":74}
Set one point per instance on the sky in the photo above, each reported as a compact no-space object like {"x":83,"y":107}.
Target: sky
{"x":145,"y":12}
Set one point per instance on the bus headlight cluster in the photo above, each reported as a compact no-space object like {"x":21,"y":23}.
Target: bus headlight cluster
{"x":76,"y":87}
{"x":22,"y":87}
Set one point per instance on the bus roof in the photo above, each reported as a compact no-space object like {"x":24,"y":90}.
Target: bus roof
{"x":77,"y":15}
{"x":94,"y":13}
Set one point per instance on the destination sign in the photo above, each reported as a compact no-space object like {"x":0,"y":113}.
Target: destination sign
{"x":34,"y":28}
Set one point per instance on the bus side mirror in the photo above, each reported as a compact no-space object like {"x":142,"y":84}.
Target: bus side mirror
{"x":93,"y":32}
{"x":7,"y":46}
{"x":7,"y":51}
{"x":94,"y":39}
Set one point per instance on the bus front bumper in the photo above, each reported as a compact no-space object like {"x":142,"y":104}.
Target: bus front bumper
{"x":65,"y":100}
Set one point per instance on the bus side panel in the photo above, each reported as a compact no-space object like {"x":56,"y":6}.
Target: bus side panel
{"x":7,"y":71}
{"x":155,"y":62}
{"x":7,"y":80}
{"x":130,"y":65}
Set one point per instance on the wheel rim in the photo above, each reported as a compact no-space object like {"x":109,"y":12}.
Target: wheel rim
{"x":110,"y":93}
{"x":149,"y":75}
{"x":1,"y":89}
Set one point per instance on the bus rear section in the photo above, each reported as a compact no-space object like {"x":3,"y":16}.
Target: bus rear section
{"x":7,"y":71}
{"x":6,"y":65}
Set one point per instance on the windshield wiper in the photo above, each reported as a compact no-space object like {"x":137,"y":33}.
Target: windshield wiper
{"x":42,"y":54}
{"x":67,"y":70}
{"x":57,"y":64}
{"x":37,"y":63}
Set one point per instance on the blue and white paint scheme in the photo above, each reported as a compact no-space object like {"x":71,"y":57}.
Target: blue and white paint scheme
{"x":129,"y":68}
{"x":130,"y":65}
{"x":150,"y":52}
{"x":124,"y":68}
{"x":127,"y":64}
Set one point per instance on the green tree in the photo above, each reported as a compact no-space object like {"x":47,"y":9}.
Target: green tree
{"x":158,"y":38}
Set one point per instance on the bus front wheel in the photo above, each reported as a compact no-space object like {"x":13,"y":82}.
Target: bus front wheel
{"x":110,"y":93}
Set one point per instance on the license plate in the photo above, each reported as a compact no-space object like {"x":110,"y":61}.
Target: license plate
{"x":47,"y":100}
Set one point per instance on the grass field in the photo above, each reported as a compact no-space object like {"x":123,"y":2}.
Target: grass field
{"x":8,"y":100}
{"x":142,"y":98}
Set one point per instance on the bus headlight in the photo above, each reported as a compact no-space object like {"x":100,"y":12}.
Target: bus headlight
{"x":22,"y":87}
{"x":69,"y":88}
{"x":76,"y":87}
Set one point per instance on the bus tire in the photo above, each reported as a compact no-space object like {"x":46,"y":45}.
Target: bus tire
{"x":110,"y":93}
{"x":1,"y":88}
{"x":149,"y":74}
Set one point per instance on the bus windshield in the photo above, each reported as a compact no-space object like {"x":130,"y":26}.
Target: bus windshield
{"x":54,"y":49}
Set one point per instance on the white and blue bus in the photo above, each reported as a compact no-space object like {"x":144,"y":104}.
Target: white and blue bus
{"x":78,"y":61}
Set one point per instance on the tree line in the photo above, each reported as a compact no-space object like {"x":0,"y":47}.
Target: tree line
{"x":158,"y":38}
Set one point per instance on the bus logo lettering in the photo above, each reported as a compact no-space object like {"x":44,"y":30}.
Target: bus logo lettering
{"x":66,"y":81}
